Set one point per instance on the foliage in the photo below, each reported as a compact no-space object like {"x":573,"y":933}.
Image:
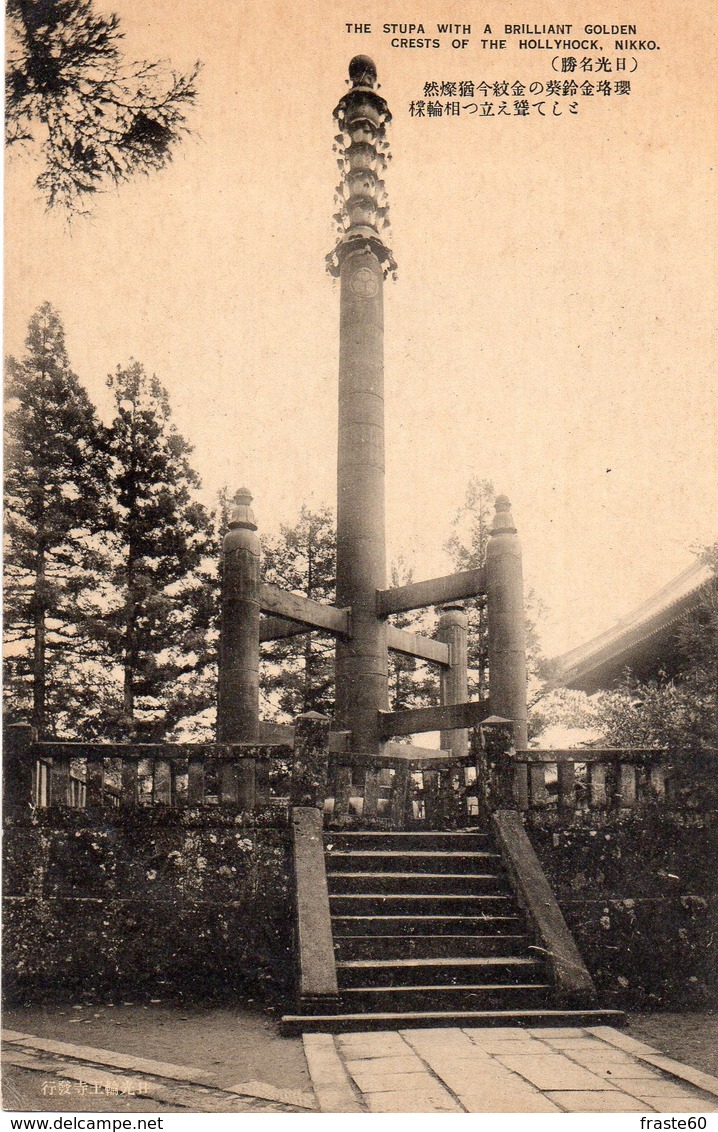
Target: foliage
{"x":161,"y":628}
{"x":680,"y":712}
{"x":298,"y":672}
{"x":467,"y":548}
{"x":56,"y":504}
{"x":676,"y":710}
{"x":96,"y":118}
{"x":412,"y":682}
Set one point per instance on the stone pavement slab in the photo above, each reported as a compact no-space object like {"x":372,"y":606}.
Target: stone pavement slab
{"x":610,"y":1064}
{"x":555,"y":1031}
{"x":509,"y":1100}
{"x":429,"y":1100}
{"x":661,"y":1087}
{"x":575,"y":1043}
{"x":552,"y":1071}
{"x":408,"y":1064}
{"x":330,"y":1080}
{"x":527,"y":1048}
{"x":430,"y":1042}
{"x":571,"y":1101}
{"x":371,"y":1044}
{"x":375,"y":1081}
{"x":502,"y":1070}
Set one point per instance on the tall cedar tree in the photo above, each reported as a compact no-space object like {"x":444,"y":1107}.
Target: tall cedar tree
{"x":56,"y":487}
{"x":95,"y":118}
{"x":298,"y":673}
{"x":160,"y":631}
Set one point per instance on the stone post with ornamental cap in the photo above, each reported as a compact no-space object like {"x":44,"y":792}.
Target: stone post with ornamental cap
{"x":507,"y":626}
{"x":360,"y":260}
{"x":453,"y":630}
{"x":238,"y":705}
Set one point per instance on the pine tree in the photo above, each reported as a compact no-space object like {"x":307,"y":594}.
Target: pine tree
{"x":298,"y":673}
{"x":55,"y":506}
{"x":96,"y":118}
{"x":162,"y":627}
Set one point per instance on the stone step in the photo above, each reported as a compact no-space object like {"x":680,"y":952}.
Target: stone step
{"x":425,"y":925}
{"x":348,"y":1021}
{"x":414,"y":904}
{"x":413,"y":860}
{"x":451,"y":971}
{"x":427,"y":946}
{"x":481,"y":996}
{"x":404,"y":839}
{"x":427,"y":884}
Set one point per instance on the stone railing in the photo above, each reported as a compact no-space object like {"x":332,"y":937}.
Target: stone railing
{"x":79,"y":775}
{"x":402,"y":788}
{"x":593,"y":781}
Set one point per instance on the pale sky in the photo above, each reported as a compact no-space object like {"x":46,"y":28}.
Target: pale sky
{"x":552,"y":327}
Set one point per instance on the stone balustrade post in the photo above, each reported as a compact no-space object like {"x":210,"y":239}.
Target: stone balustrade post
{"x":17,"y":765}
{"x":238,"y":701}
{"x":310,"y":765}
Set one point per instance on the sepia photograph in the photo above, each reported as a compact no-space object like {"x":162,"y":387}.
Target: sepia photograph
{"x":360,"y":620}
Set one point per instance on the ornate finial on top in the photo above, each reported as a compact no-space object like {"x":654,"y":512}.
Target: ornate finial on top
{"x":242,"y":514}
{"x":503,"y":522}
{"x":363,"y":213}
{"x":362,"y":71}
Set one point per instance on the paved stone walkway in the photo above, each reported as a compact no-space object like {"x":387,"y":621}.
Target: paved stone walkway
{"x":597,"y":1069}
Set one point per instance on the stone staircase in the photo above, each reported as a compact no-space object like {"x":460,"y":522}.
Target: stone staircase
{"x":427,"y":930}
{"x":427,"y":921}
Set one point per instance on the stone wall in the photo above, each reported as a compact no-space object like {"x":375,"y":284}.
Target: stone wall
{"x":639,"y":893}
{"x":198,"y":902}
{"x":191,"y":901}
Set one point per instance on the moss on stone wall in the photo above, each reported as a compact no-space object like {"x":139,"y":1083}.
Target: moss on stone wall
{"x":198,"y":902}
{"x":195,"y":900}
{"x":640,"y":896}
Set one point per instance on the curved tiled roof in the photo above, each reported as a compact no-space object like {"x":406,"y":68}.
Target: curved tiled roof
{"x":641,"y":638}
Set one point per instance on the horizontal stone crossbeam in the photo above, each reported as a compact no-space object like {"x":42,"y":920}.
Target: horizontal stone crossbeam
{"x":276,"y":629}
{"x":410,"y":644}
{"x":411,"y":757}
{"x":283,"y":733}
{"x":415,"y":644}
{"x":435,"y":591}
{"x":296,"y":607}
{"x":449,"y":717}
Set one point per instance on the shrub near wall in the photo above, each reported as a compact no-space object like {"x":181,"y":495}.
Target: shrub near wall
{"x":188,"y":901}
{"x":639,"y":894}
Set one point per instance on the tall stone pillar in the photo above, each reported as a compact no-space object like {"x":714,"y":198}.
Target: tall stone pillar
{"x":360,"y":259}
{"x":238,"y":705}
{"x":453,"y":630}
{"x":507,"y":627}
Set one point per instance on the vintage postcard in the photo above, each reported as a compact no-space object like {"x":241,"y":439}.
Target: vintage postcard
{"x":361,"y":622}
